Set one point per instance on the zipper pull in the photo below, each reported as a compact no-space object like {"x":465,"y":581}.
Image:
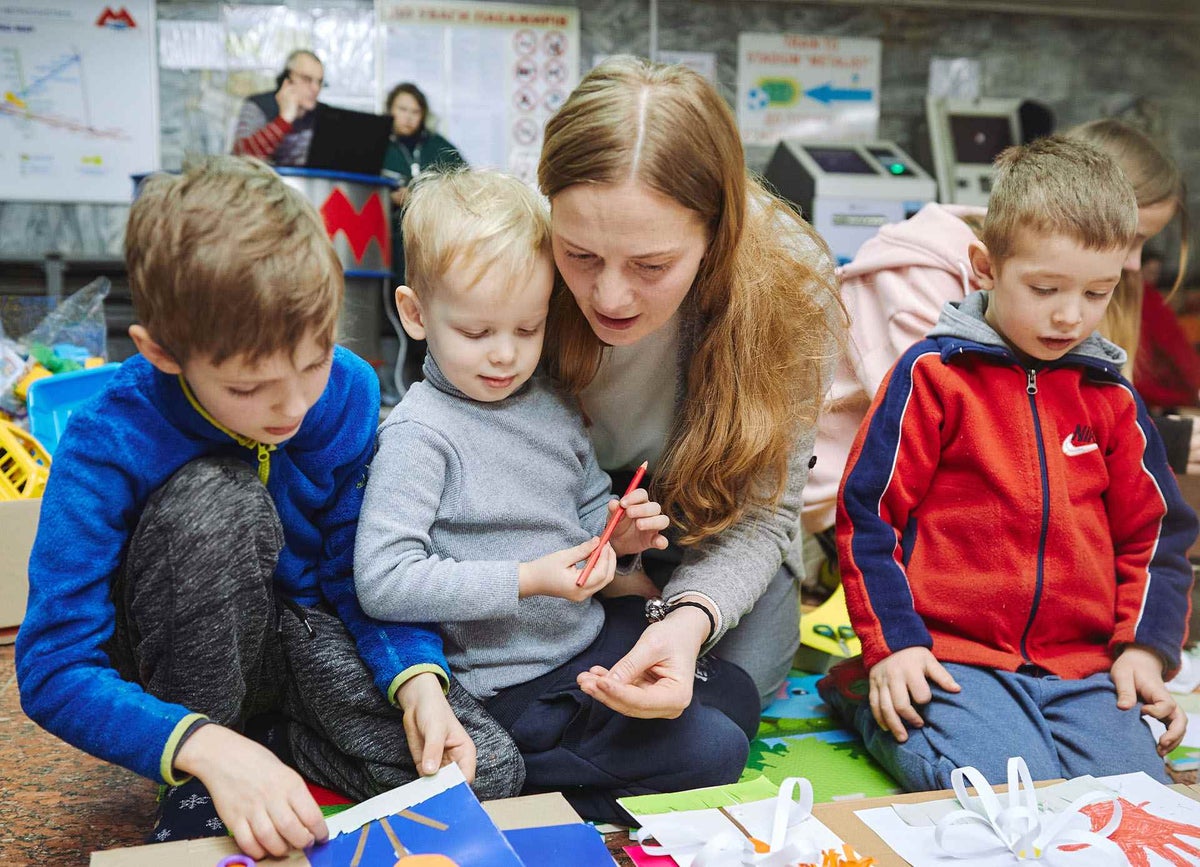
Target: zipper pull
{"x":264,"y":462}
{"x":1031,"y":384}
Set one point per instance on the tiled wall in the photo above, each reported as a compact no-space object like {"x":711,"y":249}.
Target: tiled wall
{"x":1081,"y":67}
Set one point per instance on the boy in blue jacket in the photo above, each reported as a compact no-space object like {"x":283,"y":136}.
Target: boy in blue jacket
{"x":193,"y":566}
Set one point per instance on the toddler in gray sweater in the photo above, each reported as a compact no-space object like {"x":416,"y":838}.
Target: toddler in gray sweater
{"x":484,"y":492}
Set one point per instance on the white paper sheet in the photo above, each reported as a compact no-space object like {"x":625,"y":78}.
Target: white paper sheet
{"x":916,"y":843}
{"x":394,"y":801}
{"x":681,"y":830}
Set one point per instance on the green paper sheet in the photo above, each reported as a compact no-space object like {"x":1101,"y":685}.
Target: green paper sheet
{"x":745,"y":792}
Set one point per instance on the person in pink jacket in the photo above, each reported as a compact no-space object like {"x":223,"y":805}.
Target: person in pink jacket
{"x":894,"y":291}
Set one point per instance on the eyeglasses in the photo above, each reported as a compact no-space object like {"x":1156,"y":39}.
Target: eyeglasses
{"x":307,"y":79}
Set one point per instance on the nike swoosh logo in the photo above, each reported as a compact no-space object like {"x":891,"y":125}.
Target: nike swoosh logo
{"x":1071,"y":450}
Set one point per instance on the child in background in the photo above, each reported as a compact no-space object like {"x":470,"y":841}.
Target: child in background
{"x":193,"y":568}
{"x":893,"y":290}
{"x":485,"y":494}
{"x":1012,"y":541}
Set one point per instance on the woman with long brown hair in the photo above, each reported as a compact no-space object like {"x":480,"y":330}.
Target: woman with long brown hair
{"x":697,"y":321}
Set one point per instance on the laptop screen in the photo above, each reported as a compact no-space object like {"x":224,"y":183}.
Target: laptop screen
{"x":348,"y":141}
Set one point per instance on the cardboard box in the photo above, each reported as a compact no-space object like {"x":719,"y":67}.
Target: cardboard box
{"x":509,"y":814}
{"x":18,"y":524}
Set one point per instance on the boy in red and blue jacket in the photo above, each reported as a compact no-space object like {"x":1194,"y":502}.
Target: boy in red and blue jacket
{"x":1012,"y":540}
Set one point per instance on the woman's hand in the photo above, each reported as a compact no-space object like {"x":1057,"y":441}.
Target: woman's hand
{"x":399,"y":196}
{"x":654,"y":680}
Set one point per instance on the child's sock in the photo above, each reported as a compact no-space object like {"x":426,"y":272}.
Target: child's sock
{"x":185,"y":813}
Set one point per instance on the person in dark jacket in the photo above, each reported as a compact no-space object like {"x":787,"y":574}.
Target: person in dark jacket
{"x":412,"y":148}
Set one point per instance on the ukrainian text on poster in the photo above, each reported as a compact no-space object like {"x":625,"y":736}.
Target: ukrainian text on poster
{"x":809,"y":87}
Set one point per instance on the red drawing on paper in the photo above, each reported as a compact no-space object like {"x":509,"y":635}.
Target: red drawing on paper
{"x":1142,"y":833}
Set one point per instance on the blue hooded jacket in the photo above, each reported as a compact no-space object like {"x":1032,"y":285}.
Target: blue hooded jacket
{"x":121,"y":447}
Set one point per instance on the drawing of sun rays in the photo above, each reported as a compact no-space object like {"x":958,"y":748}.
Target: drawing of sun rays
{"x":403,"y":857}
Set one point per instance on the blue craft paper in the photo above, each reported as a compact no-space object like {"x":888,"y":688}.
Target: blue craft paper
{"x":471,"y":840}
{"x":577,"y":844}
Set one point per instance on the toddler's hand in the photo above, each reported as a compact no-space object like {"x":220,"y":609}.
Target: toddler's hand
{"x":901,"y":680}
{"x":641,"y":526}
{"x":264,"y":803}
{"x":1138,"y":674}
{"x":555,"y":574}
{"x":435,"y":736}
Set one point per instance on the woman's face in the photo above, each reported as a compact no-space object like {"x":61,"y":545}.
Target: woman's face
{"x":1152,"y":219}
{"x":406,"y":114}
{"x":628,"y":254}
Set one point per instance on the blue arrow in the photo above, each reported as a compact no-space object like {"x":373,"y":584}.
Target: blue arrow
{"x":827,"y":93}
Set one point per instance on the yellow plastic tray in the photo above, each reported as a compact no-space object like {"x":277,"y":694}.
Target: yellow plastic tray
{"x":24,"y":464}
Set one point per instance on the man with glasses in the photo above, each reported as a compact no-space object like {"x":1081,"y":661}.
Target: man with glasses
{"x":277,"y":126}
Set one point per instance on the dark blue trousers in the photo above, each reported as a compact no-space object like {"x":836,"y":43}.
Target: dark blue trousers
{"x":594,"y":755}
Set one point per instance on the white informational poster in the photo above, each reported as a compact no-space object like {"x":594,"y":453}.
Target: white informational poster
{"x":78,"y":99}
{"x":493,"y":72}
{"x":809,"y":87}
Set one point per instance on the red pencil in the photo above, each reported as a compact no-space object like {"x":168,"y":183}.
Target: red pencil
{"x":609,"y":527}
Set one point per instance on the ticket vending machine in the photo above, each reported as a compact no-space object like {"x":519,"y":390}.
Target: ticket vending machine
{"x":847,"y":190}
{"x":965,"y":137}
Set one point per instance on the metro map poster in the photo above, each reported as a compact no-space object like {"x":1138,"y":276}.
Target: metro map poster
{"x":78,"y":99}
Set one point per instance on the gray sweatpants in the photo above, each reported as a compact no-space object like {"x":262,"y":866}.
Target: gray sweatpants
{"x":199,"y":623}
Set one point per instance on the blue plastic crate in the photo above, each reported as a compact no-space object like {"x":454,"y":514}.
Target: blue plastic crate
{"x":52,"y":399}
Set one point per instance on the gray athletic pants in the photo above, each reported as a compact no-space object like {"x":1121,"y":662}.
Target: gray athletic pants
{"x":199,"y":623}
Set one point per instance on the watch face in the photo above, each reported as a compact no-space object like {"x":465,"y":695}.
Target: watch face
{"x":655,"y":610}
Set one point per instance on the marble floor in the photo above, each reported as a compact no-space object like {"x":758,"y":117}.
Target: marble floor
{"x":56,"y":803}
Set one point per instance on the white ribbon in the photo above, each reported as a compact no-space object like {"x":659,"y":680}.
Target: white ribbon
{"x":1029,"y":833}
{"x":729,"y":848}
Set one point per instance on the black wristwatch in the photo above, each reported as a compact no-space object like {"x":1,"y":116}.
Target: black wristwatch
{"x":657,"y":609}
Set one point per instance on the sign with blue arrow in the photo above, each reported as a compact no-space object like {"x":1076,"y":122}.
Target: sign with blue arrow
{"x":827,"y":93}
{"x":805,"y":86}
